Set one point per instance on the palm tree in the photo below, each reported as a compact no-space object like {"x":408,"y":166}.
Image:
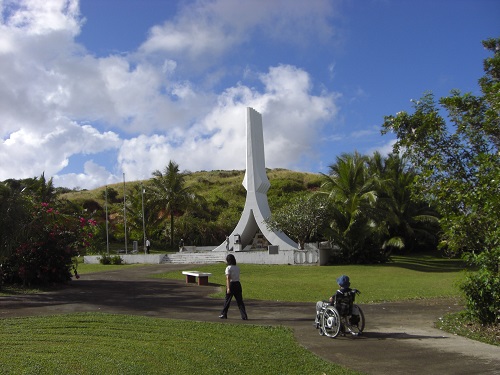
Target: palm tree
{"x":352,"y":194}
{"x":404,"y":222}
{"x":170,"y":194}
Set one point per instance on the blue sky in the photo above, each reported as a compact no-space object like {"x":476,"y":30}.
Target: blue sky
{"x":92,"y":89}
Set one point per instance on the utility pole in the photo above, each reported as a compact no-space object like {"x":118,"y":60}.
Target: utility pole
{"x":107,"y":230}
{"x":125,"y":213}
{"x":143,"y":222}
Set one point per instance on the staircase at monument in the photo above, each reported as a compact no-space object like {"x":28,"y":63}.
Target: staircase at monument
{"x":195,"y":257}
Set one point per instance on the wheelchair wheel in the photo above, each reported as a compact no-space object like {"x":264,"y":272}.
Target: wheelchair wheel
{"x":330,"y":322}
{"x":356,"y":322}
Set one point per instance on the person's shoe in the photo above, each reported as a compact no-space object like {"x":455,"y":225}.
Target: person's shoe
{"x":245,"y":318}
{"x":222,"y":316}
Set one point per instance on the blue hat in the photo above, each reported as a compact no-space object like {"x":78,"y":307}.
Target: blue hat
{"x":343,"y":281}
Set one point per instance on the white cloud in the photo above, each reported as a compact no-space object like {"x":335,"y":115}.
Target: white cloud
{"x":206,"y":30}
{"x":364,"y":133}
{"x":27,"y":152}
{"x":41,"y":17}
{"x":92,"y":177}
{"x":292,"y":120}
{"x":58,"y":101}
{"x":384,"y":149}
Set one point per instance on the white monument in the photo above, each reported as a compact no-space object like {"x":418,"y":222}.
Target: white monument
{"x":256,"y":183}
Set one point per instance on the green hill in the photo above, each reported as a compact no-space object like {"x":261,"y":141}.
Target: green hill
{"x":223,"y":198}
{"x":218,"y":183}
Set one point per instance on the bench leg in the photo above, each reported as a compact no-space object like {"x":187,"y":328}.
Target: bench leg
{"x":202,"y":280}
{"x":190,"y":279}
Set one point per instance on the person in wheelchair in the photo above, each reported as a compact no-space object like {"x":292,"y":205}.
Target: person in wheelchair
{"x":342,"y":300}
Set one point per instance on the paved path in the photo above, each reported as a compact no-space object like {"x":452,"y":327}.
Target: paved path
{"x":399,"y":337}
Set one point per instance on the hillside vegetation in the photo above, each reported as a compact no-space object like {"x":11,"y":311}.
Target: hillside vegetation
{"x":218,"y":211}
{"x":213,"y":184}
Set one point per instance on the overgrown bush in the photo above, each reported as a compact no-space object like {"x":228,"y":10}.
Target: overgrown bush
{"x":482,"y":288}
{"x":110,"y":259}
{"x":46,"y":255}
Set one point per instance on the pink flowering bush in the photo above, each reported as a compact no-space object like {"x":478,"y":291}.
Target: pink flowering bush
{"x":52,"y":242}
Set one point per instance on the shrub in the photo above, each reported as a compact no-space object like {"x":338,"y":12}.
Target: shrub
{"x":482,"y":288}
{"x":105,"y":259}
{"x":110,"y":259}
{"x":46,"y":255}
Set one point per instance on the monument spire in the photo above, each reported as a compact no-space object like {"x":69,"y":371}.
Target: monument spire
{"x":256,"y":209}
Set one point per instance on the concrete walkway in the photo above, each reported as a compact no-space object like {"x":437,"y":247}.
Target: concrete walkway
{"x":399,"y":337}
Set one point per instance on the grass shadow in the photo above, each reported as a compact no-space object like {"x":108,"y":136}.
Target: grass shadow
{"x":427,"y":263}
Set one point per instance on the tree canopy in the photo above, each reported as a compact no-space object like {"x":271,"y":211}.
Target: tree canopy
{"x":457,"y":165}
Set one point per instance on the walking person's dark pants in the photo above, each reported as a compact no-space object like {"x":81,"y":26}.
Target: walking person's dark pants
{"x":236,"y":291}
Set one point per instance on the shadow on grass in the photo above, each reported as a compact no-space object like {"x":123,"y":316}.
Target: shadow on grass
{"x":427,"y":264}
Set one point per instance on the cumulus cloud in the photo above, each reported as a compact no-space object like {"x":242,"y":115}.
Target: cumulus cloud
{"x":93,"y":176}
{"x":208,"y":29}
{"x":27,"y":152}
{"x":292,"y":119}
{"x":58,"y":101}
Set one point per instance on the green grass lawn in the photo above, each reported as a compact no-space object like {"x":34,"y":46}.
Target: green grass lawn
{"x":121,"y":344}
{"x":404,"y":278}
{"x":91,"y":343}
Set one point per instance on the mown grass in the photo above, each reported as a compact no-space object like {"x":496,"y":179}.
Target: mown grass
{"x":117,"y":344}
{"x":405,"y":278}
{"x":93,"y":343}
{"x":93,"y":268}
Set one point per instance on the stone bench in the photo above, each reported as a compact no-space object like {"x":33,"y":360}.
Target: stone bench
{"x":192,"y":275}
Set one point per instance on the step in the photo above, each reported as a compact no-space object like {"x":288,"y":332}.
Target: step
{"x":194,"y":258}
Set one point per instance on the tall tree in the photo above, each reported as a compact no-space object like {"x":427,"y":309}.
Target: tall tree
{"x":404,"y":222}
{"x":457,"y":164}
{"x":170,"y":194}
{"x":352,"y":194}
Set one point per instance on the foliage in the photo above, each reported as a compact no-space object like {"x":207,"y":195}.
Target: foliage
{"x":170,"y":194}
{"x":46,"y":254}
{"x":482,"y":288}
{"x":140,"y":213}
{"x":110,"y":259}
{"x":14,"y":214}
{"x":457,"y":165}
{"x":110,"y":194}
{"x":206,"y":222}
{"x":301,"y":219}
{"x":352,"y":194}
{"x":403,"y":222}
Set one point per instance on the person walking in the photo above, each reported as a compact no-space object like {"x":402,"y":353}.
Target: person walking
{"x":148,"y":245}
{"x":233,"y":288}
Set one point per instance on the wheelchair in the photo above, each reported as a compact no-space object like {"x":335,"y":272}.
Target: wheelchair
{"x":342,"y":316}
